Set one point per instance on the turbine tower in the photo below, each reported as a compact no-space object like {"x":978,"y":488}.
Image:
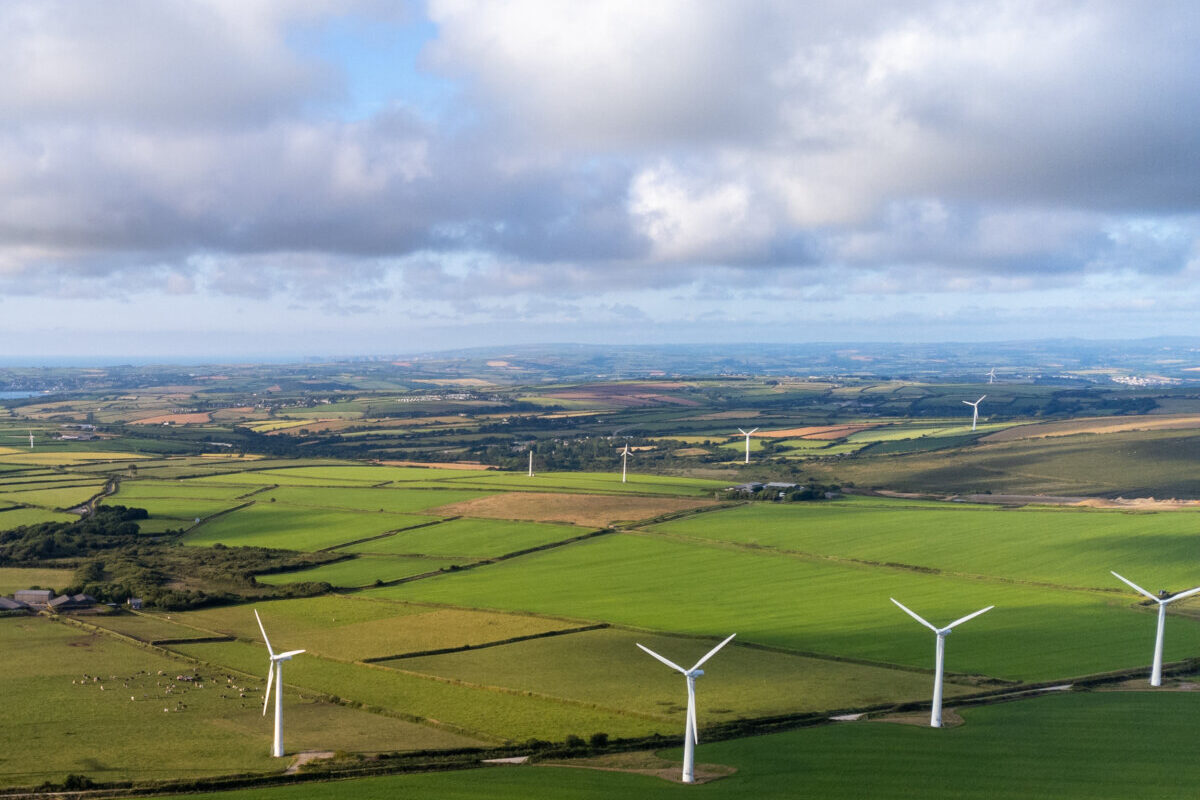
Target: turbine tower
{"x":624,"y":461}
{"x":992,"y":375}
{"x":30,"y":438}
{"x":747,"y":435}
{"x":935,"y":715}
{"x":974,"y":409}
{"x":1156,"y":670}
{"x":275,"y":675}
{"x":531,"y":462}
{"x":690,"y":737}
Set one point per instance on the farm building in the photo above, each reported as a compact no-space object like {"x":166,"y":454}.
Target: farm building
{"x":70,"y":602}
{"x":33,"y":597}
{"x":9,"y":604}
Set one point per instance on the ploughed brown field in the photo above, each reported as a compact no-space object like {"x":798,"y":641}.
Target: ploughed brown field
{"x":589,"y":510}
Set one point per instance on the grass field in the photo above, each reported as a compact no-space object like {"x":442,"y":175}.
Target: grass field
{"x":398,"y":501}
{"x":296,"y":528}
{"x":135,"y":739}
{"x":596,"y":511}
{"x":14,"y":578}
{"x":134,"y":490}
{"x":473,"y":538}
{"x":175,"y":508}
{"x":360,"y":571}
{"x":816,"y":606}
{"x":1068,"y":746}
{"x":16,"y":517}
{"x":591,"y":482}
{"x":55,"y":498}
{"x":356,"y":628}
{"x":1072,"y":547}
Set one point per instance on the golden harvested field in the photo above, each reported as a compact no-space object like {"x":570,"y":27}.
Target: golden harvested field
{"x":594,"y":511}
{"x":175,"y":419}
{"x":1095,"y":425}
{"x":821,"y":432}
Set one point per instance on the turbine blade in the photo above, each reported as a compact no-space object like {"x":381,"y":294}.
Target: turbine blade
{"x":1135,"y":586}
{"x":712,"y":652}
{"x":913,"y":614}
{"x":1182,"y":595}
{"x":967,"y":617}
{"x":967,"y":403}
{"x":980,"y":400}
{"x":752,"y":430}
{"x":267,"y":693}
{"x":669,"y":663}
{"x":287,"y":655}
{"x":264,"y":633}
{"x":742,"y":432}
{"x":691,"y":710}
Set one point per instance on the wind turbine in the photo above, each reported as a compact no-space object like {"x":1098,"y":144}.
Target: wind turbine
{"x":30,"y":438}
{"x":1156,"y":670}
{"x":624,"y":461}
{"x":992,"y":375}
{"x":975,"y":409}
{"x":275,"y":674}
{"x":935,"y":715}
{"x":690,"y":737}
{"x":747,"y":435}
{"x":531,"y":462}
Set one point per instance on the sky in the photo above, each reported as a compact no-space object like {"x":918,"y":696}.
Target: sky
{"x":262,"y":178}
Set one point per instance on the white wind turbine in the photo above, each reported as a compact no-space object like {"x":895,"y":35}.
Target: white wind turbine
{"x":275,"y":675}
{"x":975,"y":410}
{"x":935,"y":715}
{"x":624,"y":461}
{"x":531,"y":462}
{"x":747,"y":435}
{"x":1156,"y":670}
{"x":30,"y":438}
{"x":690,"y":737}
{"x":992,"y":375}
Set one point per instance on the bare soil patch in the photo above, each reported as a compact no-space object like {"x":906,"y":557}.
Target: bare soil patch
{"x":175,"y":419}
{"x":644,"y":762}
{"x":590,"y":510}
{"x":950,"y":718}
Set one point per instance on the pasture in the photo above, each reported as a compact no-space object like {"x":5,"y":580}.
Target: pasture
{"x":360,"y":571}
{"x":295,"y":527}
{"x":468,"y":538}
{"x":14,"y":578}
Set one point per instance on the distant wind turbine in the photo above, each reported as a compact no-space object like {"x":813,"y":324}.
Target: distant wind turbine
{"x":935,"y":715}
{"x":690,"y":737}
{"x":975,"y":410}
{"x":992,"y":375}
{"x":275,"y":675}
{"x":1156,"y":670}
{"x":531,"y":462}
{"x":747,"y":435}
{"x":624,"y":461}
{"x":30,"y":438}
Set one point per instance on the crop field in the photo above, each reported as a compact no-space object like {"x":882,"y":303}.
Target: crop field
{"x":1070,"y":547}
{"x":815,"y":606}
{"x":121,"y":715}
{"x":361,"y":571}
{"x":470,"y":538}
{"x":14,"y":578}
{"x":296,"y":528}
{"x":579,"y":509}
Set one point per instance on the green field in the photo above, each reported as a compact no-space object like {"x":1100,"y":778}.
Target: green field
{"x":472,"y":538}
{"x":1070,"y":547}
{"x":816,"y":606}
{"x":133,"y":491}
{"x":360,"y":571}
{"x":14,"y":578}
{"x":295,"y":527}
{"x":399,"y":501}
{"x":1068,"y":746}
{"x":55,"y":498}
{"x":592,"y":482}
{"x":16,"y":517}
{"x":175,"y":508}
{"x":122,"y":738}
